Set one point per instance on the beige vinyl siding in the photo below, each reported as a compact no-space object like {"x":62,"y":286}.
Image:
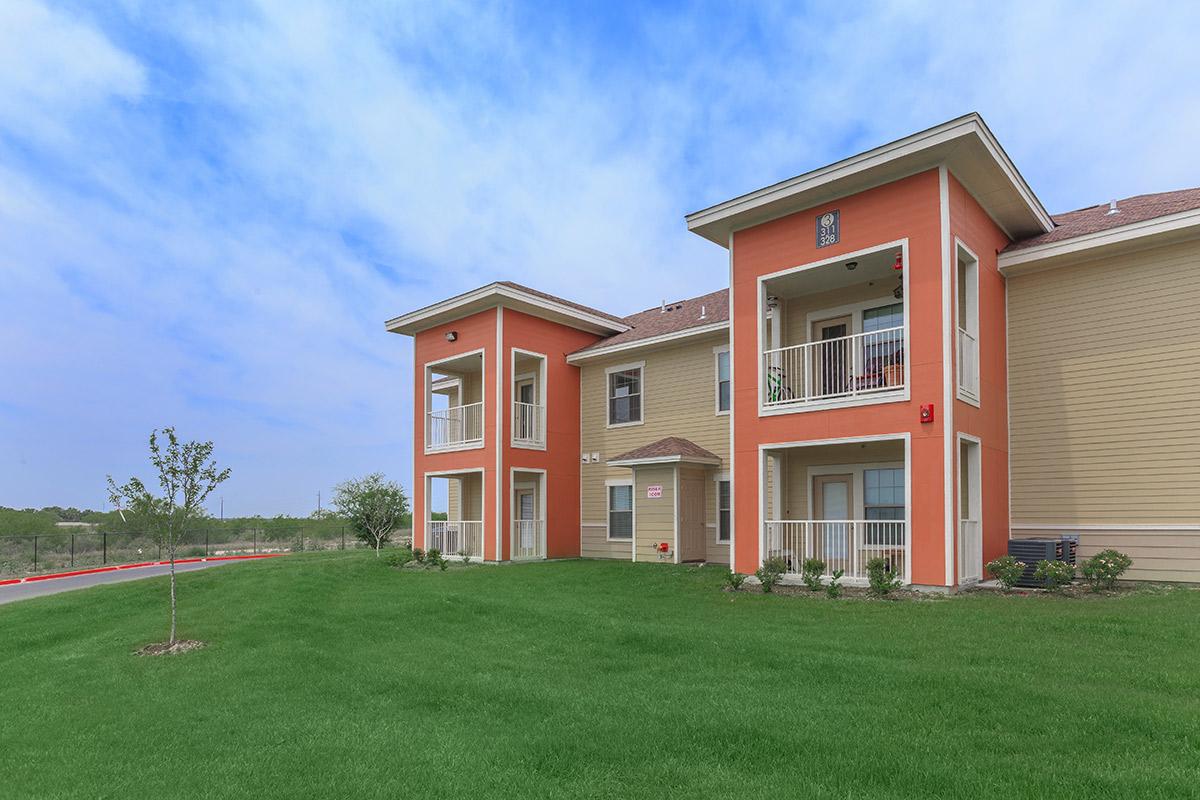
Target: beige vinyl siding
{"x":653,"y":518}
{"x":1157,"y":555}
{"x":1104,"y":383}
{"x":470,"y":487}
{"x":679,"y":399}
{"x":799,"y":459}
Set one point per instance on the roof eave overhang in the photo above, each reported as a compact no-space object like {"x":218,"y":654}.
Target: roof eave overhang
{"x":1171,"y":229}
{"x":599,"y":351}
{"x":496,"y":294}
{"x":965,"y":146}
{"x":659,"y":460}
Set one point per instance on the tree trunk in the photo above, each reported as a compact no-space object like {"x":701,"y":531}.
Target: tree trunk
{"x":172,"y":639}
{"x":378,"y":542}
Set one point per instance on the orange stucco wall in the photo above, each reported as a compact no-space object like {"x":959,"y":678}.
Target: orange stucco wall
{"x":560,"y":459}
{"x":975,"y":229}
{"x":476,"y":332}
{"x":906,"y":209}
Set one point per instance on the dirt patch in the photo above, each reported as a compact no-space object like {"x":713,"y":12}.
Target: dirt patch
{"x":170,"y":648}
{"x":1083,"y":591}
{"x":848,"y":592}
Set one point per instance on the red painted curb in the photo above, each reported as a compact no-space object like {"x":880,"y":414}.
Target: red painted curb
{"x":114,"y":568}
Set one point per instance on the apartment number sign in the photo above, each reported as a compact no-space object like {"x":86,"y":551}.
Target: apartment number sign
{"x":829,"y":228}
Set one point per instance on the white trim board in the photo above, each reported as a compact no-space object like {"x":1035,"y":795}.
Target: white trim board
{"x":494,"y":295}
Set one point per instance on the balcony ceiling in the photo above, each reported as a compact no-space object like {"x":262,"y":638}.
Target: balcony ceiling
{"x":876,"y":266}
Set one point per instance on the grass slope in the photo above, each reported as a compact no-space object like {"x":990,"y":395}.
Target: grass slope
{"x":332,"y":676}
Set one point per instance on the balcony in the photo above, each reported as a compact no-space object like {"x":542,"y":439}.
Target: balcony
{"x":528,"y":525}
{"x":529,"y":424}
{"x":528,"y":399}
{"x":834,"y":333}
{"x":968,"y":365}
{"x":454,"y":427}
{"x":454,"y":416}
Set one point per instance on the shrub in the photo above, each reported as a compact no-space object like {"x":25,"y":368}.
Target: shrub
{"x":465,"y":556}
{"x":881,"y":577}
{"x":770,"y":572}
{"x":834,"y":589}
{"x":1102,"y":570}
{"x":1007,"y":570}
{"x":735,"y":580}
{"x":1054,"y":574}
{"x":811,"y":572}
{"x":433,"y":558}
{"x":419,"y":555}
{"x":398,"y":557}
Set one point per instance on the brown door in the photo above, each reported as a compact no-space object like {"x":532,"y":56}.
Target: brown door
{"x":691,"y":518}
{"x":833,"y":503}
{"x":831,"y":357}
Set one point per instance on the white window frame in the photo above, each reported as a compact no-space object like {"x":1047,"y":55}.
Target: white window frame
{"x":640,"y":366}
{"x":961,"y":250}
{"x":723,"y":478}
{"x":718,"y":351}
{"x":608,"y":510}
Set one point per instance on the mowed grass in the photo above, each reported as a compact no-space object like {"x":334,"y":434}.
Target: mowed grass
{"x":331,"y":675}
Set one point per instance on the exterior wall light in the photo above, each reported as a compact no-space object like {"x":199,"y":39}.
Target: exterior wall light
{"x":451,"y":336}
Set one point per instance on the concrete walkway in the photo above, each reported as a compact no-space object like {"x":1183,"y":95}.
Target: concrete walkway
{"x":25,"y":591}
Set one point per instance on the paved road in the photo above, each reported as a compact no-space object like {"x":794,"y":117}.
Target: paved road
{"x":24,"y":591}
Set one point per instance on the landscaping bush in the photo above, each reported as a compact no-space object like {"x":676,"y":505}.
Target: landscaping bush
{"x":770,"y":573}
{"x":398,"y":557}
{"x":735,"y":580}
{"x":1007,"y":570}
{"x":465,"y":556}
{"x":419,"y":555}
{"x":1054,"y":574}
{"x":433,"y":558}
{"x":880,"y":576}
{"x":1102,"y":570}
{"x":811,"y":572}
{"x":834,"y":589}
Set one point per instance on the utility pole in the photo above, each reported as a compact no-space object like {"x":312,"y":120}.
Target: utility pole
{"x":318,"y":505}
{"x":222,"y":509}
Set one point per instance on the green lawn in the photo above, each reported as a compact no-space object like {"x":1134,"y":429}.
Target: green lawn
{"x":330,"y":675}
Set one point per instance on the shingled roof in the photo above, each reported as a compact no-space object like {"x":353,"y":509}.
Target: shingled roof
{"x":669,"y":449}
{"x":681,"y":315}
{"x":1095,"y":219}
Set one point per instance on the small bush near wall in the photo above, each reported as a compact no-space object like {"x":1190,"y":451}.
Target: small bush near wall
{"x":881,"y":578}
{"x":735,"y":580}
{"x":398,"y":557}
{"x":834,"y":589}
{"x":1102,"y":570}
{"x":811,"y":573}
{"x":1007,"y":570}
{"x":770,"y":572}
{"x":1055,"y":574}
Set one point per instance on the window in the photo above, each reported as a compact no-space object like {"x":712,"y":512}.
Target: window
{"x":620,"y":512}
{"x":724,"y":523}
{"x":884,"y":317}
{"x":883,"y":346}
{"x":968,"y":326}
{"x":723,"y":383}
{"x":883,"y":493}
{"x":625,"y":396}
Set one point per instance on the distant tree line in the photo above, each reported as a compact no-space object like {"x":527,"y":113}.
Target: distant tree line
{"x":29,"y":521}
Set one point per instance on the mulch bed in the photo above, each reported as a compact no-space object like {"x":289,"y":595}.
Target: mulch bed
{"x":1078,"y":590}
{"x":170,"y":648}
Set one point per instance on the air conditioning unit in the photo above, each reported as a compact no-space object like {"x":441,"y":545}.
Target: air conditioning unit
{"x":1031,"y":551}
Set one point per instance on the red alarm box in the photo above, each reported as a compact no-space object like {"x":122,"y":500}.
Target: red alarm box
{"x":926,"y":412}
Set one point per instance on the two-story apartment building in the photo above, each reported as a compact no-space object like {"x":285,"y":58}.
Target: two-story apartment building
{"x":913,"y":361}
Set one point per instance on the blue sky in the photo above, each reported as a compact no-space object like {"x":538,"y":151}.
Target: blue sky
{"x":207,"y":211}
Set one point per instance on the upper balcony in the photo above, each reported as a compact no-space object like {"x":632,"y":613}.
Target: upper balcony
{"x":528,"y":400}
{"x":454,"y":403}
{"x":834,"y":333}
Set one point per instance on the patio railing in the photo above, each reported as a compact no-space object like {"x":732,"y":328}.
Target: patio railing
{"x":457,"y":426}
{"x":528,"y":538}
{"x":845,"y":367}
{"x":842,"y":544}
{"x":455,"y":538}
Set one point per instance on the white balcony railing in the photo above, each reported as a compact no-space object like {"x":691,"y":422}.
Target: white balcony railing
{"x":457,"y":426}
{"x":455,"y":538}
{"x":842,"y":544}
{"x":528,"y":538}
{"x":968,"y":364}
{"x":529,"y":424}
{"x":970,"y":551}
{"x":847,"y":367}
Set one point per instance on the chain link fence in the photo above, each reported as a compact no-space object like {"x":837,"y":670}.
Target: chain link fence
{"x":67,"y":550}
